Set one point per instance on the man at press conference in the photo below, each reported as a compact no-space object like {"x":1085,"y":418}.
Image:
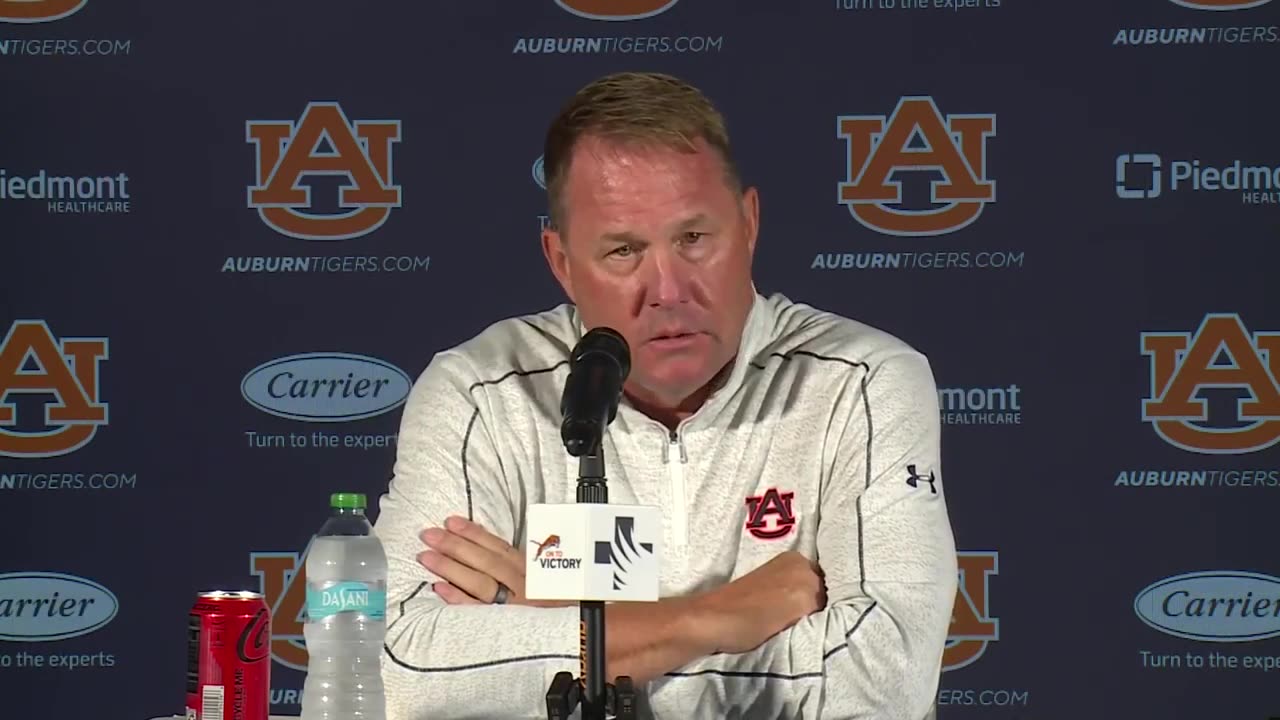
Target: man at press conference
{"x":808,"y":566}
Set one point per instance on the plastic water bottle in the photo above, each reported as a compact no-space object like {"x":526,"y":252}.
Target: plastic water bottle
{"x":346,"y":616}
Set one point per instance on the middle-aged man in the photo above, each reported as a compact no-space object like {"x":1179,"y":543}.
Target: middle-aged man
{"x":808,"y":565}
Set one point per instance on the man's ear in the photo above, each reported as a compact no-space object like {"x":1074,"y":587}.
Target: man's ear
{"x":558,"y":260}
{"x":751,"y":216}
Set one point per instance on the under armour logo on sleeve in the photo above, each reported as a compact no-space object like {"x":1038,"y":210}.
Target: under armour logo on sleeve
{"x":914,"y":479}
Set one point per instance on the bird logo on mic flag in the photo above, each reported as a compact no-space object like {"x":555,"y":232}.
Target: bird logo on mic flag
{"x":552,"y":541}
{"x":623,"y":552}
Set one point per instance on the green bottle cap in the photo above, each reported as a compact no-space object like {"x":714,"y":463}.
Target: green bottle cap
{"x":347,"y":501}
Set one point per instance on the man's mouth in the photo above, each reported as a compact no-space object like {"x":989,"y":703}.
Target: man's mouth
{"x":673,"y":339}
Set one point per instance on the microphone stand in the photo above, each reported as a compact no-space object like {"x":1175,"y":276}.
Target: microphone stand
{"x":597,"y":696}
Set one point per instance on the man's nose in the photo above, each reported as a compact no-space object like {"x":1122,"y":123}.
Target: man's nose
{"x":666,"y":279}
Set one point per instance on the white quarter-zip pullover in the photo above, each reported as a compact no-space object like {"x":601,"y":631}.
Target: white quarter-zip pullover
{"x":823,"y":439}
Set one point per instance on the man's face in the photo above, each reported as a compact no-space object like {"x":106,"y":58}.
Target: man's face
{"x":657,"y":246}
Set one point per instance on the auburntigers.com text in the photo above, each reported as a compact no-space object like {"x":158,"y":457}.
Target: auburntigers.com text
{"x":68,"y":481}
{"x":327,"y":264}
{"x":14,"y":47}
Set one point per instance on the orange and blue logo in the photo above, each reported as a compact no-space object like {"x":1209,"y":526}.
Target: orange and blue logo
{"x":916,"y":138}
{"x":616,"y":9}
{"x":323,"y":142}
{"x":972,"y":628}
{"x":38,"y":11}
{"x":33,"y":361}
{"x":1220,"y":4}
{"x":282,"y":580}
{"x":1214,"y":391}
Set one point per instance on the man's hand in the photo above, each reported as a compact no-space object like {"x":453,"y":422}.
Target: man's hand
{"x":742,"y":615}
{"x":473,"y":561}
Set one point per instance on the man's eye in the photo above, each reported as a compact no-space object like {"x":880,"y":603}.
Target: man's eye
{"x":693,"y":236}
{"x":623,"y":251}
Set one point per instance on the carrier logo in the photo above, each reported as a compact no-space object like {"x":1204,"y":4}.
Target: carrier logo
{"x":1220,"y":4}
{"x":34,"y":362}
{"x":1214,"y":391}
{"x":323,"y":142}
{"x":616,"y":9}
{"x":38,"y":11}
{"x":46,"y":606}
{"x":1213,"y":606}
{"x":326,"y":387}
{"x":885,"y":153}
{"x":972,"y":626}
{"x":282,"y":580}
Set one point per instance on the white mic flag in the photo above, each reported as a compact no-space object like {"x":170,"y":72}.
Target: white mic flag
{"x":593,"y":551}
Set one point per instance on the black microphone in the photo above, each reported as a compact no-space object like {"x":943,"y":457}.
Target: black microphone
{"x":598,"y":367}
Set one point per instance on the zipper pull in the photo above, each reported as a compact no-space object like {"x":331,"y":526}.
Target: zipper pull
{"x":679,"y":441}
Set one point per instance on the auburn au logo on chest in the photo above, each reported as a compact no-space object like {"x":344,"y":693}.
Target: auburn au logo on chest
{"x":770,"y":516}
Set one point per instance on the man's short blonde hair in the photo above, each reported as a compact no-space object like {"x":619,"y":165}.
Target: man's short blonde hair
{"x":633,"y":108}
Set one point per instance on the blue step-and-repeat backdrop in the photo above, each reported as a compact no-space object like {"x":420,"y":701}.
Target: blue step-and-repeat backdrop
{"x":1072,"y":207}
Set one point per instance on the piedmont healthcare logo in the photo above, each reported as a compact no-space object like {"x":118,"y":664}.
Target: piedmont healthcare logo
{"x":613,"y":11}
{"x":1213,"y":391}
{"x":324,"y":387}
{"x":1212,"y":606}
{"x":324,"y":178}
{"x":43,"y":607}
{"x":1000,"y":405}
{"x":1161,"y":36}
{"x":67,"y":194}
{"x":36,"y":12}
{"x":916,"y":173}
{"x":1147,"y":176}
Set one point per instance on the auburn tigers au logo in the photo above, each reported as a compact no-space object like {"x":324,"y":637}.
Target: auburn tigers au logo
{"x":282,"y":580}
{"x":288,"y":152}
{"x":1220,"y":4}
{"x":1214,"y":391}
{"x":972,"y":627}
{"x":33,"y":361}
{"x":37,"y":11}
{"x":616,"y":9}
{"x":769,"y":516}
{"x":916,"y":137}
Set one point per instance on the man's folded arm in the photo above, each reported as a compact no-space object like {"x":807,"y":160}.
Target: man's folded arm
{"x":458,"y":661}
{"x":484,"y":661}
{"x":887,"y":552}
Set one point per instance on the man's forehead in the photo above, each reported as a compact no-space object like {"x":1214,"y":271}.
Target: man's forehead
{"x":599,"y":155}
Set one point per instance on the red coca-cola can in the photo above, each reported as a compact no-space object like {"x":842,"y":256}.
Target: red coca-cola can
{"x":229,"y":657}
